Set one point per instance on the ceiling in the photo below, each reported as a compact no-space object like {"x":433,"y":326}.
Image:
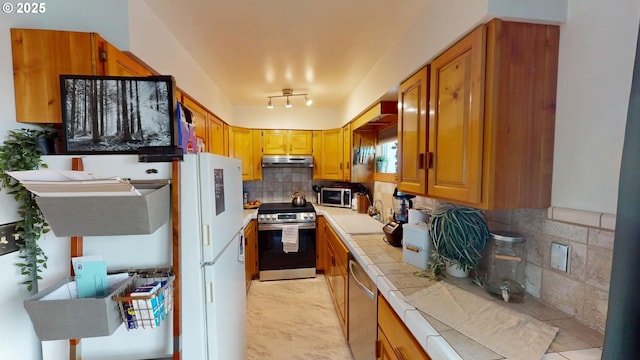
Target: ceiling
{"x":255,"y":48}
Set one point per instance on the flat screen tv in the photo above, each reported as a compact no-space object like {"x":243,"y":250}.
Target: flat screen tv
{"x":117,"y":114}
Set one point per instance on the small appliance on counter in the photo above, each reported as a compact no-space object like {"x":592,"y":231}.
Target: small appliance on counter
{"x":403,"y":203}
{"x":393,"y":230}
{"x":416,"y":245}
{"x":335,"y":196}
{"x":393,"y":233}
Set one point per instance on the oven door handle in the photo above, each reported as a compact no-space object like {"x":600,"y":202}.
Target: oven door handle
{"x":303,"y":226}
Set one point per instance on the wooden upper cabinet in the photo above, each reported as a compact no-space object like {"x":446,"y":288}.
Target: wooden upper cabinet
{"x":455,"y":126}
{"x":300,"y":142}
{"x":118,"y":63}
{"x":347,"y":151}
{"x":198,"y":119}
{"x":275,"y":142}
{"x":39,"y":58}
{"x":497,"y":152}
{"x":317,"y":154}
{"x":332,"y":148}
{"x":287,"y":142}
{"x":241,"y":147}
{"x":256,"y":159}
{"x":215,"y":135}
{"x":412,"y":133}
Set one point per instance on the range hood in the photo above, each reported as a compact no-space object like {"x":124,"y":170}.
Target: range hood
{"x":287,"y":161}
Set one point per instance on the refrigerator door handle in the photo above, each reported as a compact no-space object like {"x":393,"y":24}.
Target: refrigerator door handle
{"x":206,"y":238}
{"x":241,"y":249}
{"x":210,"y":292}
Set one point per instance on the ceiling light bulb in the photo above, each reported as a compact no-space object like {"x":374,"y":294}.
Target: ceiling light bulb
{"x":269,"y":104}
{"x":309,"y":101}
{"x":288,"y":105}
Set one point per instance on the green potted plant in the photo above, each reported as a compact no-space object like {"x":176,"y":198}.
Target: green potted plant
{"x":22,"y":151}
{"x":459,"y":235}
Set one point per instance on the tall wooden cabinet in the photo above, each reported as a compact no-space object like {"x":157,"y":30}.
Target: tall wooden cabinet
{"x":215,"y":135}
{"x":332,"y":149}
{"x":412,"y":132}
{"x":245,"y":144}
{"x":492,"y":117}
{"x":241,"y":147}
{"x":347,"y":151}
{"x":317,"y":154}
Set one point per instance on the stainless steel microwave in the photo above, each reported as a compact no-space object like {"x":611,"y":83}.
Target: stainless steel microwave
{"x":340,"y":197}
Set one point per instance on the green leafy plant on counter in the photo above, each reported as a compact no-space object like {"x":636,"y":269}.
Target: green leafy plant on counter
{"x":22,"y":151}
{"x":459,"y":235}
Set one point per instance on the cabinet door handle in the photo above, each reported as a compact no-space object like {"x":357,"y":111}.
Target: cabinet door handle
{"x":421,"y":161}
{"x":399,"y":354}
{"x":430,"y":160}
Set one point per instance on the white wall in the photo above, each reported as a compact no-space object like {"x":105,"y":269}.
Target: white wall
{"x":301,"y":117}
{"x":597,"y":50}
{"x":152,"y":42}
{"x":17,"y":338}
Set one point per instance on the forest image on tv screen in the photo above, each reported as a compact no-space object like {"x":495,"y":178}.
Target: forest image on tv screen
{"x":116,"y":115}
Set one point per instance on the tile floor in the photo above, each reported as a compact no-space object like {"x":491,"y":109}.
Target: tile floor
{"x":294,"y":320}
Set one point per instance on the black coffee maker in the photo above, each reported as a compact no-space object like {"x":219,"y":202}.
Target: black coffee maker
{"x":403,"y":203}
{"x":393,"y":230}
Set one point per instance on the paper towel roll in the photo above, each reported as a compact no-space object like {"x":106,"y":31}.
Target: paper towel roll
{"x":418,"y":215}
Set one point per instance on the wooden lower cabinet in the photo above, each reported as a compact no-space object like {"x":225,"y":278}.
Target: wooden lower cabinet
{"x":321,"y":244}
{"x":251,"y":251}
{"x":395,"y":341}
{"x":336,"y":273}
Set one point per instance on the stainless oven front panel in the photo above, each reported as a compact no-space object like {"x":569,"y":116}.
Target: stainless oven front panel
{"x":276,"y":264}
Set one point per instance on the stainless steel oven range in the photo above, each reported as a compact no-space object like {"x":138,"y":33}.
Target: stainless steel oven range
{"x":274,"y":263}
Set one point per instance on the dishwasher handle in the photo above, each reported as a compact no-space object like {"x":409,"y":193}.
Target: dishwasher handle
{"x":353,"y":270}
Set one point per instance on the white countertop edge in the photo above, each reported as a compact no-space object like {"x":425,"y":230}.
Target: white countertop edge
{"x":439,"y":349}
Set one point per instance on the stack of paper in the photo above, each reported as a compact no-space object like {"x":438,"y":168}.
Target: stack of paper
{"x":50,"y":183}
{"x":91,"y":276}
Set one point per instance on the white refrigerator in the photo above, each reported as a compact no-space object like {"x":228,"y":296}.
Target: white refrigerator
{"x":212,"y":259}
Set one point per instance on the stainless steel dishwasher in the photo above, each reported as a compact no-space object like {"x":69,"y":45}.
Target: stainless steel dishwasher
{"x":362,"y":312}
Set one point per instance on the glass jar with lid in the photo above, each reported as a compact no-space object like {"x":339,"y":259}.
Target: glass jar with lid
{"x":505,"y":275}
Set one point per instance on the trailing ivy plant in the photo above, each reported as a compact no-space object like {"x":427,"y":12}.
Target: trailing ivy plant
{"x":459,"y":235}
{"x":21,"y":151}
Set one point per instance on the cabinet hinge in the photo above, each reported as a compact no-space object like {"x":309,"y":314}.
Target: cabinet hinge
{"x":103,"y":55}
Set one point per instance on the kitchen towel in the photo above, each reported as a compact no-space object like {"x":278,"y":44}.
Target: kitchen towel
{"x":290,"y":238}
{"x":506,"y":332}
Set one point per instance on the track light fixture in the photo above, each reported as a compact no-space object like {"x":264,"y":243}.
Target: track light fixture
{"x":288,"y":93}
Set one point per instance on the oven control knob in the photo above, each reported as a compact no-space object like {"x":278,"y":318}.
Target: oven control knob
{"x":312,"y":216}
{"x":261,"y":217}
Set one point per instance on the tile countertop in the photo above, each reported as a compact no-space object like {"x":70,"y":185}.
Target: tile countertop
{"x":396,"y":279}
